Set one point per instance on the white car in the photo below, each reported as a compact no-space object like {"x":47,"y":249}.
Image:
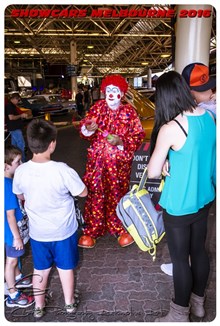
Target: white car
{"x":56,"y":98}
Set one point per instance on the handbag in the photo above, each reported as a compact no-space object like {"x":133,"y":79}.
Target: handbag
{"x":23,"y":224}
{"x":79,"y":216}
{"x":23,"y":228}
{"x":140,"y":218}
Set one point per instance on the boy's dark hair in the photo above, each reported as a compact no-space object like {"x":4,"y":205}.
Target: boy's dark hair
{"x":10,"y":153}
{"x":173,"y":97}
{"x":40,"y":133}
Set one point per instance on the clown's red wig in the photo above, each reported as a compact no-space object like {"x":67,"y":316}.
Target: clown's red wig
{"x":116,"y":80}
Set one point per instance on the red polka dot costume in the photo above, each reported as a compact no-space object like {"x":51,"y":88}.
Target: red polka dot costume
{"x":108,"y":167}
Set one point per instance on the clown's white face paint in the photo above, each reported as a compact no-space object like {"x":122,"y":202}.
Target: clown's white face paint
{"x":113,"y":96}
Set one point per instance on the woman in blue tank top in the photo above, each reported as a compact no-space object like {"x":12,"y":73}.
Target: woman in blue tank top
{"x":185,"y":134}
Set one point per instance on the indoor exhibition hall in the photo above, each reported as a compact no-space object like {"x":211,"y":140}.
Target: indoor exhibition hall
{"x":97,"y":96}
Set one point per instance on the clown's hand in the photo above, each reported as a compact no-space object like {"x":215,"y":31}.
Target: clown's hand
{"x":91,"y":125}
{"x":115,"y":140}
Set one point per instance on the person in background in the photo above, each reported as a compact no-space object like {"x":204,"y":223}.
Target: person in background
{"x":52,"y":217}
{"x":14,"y":246}
{"x":186,"y":133}
{"x":202,"y":88}
{"x":95,"y":94}
{"x":86,"y":98}
{"x":115,"y":133}
{"x":79,"y":102}
{"x":14,"y":122}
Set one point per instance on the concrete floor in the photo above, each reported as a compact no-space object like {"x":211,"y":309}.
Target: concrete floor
{"x":116,"y":284}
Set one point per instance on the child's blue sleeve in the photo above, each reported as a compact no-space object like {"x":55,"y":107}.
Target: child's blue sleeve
{"x":11,"y":201}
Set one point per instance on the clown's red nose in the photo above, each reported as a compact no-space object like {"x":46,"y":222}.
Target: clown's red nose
{"x":110,"y":95}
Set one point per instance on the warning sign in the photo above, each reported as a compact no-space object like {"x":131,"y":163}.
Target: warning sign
{"x":140,"y":161}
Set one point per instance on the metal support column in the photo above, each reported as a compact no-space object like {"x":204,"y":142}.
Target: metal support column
{"x":73,"y":61}
{"x":192,"y":37}
{"x":149,"y":78}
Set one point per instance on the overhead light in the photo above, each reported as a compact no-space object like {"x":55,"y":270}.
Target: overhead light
{"x":17,"y":42}
{"x":144,"y":63}
{"x":165,"y":55}
{"x":90,"y":46}
{"x":93,"y":54}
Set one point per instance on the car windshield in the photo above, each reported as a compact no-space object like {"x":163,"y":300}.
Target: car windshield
{"x":54,"y":98}
{"x":39,"y":99}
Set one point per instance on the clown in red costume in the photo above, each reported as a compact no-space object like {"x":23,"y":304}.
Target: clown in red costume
{"x":115,"y":133}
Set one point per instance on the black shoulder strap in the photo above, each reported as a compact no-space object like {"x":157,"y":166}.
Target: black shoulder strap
{"x":185,"y":133}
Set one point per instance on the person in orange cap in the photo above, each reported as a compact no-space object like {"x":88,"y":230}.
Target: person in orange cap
{"x":202,"y":85}
{"x":115,"y":133}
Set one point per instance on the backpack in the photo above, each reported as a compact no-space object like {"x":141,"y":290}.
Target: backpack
{"x":140,"y":218}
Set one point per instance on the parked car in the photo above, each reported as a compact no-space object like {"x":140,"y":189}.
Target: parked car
{"x":57,"y":98}
{"x":145,"y":109}
{"x":39,"y":106}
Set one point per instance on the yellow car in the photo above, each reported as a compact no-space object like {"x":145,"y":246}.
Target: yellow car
{"x":145,"y":109}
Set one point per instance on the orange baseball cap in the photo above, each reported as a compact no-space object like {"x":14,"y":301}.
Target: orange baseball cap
{"x":197,"y":77}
